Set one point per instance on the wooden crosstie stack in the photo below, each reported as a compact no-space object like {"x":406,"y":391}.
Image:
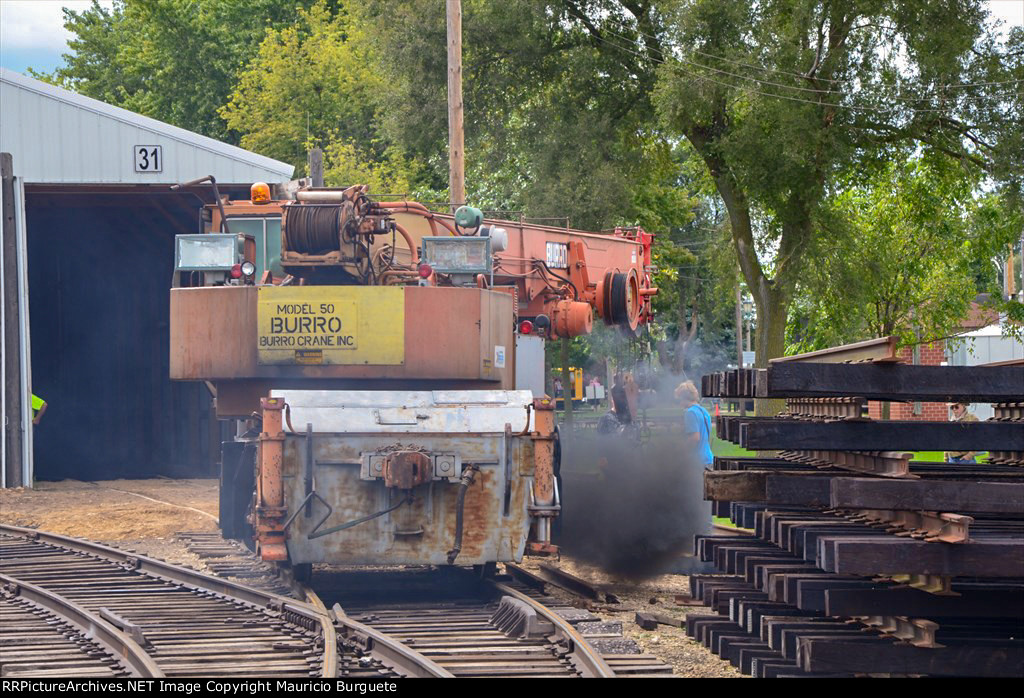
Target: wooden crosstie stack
{"x":859,"y":560}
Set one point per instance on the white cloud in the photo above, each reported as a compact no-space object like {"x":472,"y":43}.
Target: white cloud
{"x":37,"y":25}
{"x":1009,"y":11}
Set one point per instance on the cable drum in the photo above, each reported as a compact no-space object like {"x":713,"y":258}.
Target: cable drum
{"x":313,"y":228}
{"x":618,"y":298}
{"x":623,"y":299}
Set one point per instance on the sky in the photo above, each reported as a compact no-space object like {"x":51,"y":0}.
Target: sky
{"x":32,"y":32}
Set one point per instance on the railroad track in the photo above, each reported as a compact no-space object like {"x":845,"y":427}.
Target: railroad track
{"x":182,"y":622}
{"x":476,"y":627}
{"x":452,"y":619}
{"x":42,"y":635}
{"x":151,"y":618}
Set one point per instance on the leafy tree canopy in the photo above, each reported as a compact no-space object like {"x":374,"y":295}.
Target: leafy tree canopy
{"x":310,"y":84}
{"x":898,"y":256}
{"x":173,"y":60}
{"x":783,"y":99}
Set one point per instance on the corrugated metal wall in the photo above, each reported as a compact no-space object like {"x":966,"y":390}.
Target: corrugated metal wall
{"x":99,"y":273}
{"x":100,"y":270}
{"x":969,"y":350}
{"x":59,"y":136}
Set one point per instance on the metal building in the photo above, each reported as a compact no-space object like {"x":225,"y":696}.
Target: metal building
{"x":88,"y":227}
{"x":984,"y":345}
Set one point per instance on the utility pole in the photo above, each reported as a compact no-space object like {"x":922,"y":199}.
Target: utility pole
{"x":14,"y":429}
{"x":1009,"y":276}
{"x":566,"y":384}
{"x":739,"y":341}
{"x":750,"y":320}
{"x":456,"y":142}
{"x":316,"y":166}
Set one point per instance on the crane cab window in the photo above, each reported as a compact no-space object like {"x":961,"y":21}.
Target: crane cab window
{"x":267,"y":232}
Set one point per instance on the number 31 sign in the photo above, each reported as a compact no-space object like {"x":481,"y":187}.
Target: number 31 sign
{"x":149,"y":158}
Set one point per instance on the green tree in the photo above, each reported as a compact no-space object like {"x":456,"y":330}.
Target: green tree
{"x":781,"y":98}
{"x":558,"y":125}
{"x":308,"y":84}
{"x":897,"y":259}
{"x":173,"y":60}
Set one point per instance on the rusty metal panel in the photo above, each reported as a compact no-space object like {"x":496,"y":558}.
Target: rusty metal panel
{"x":239,"y":398}
{"x":419,"y":533}
{"x":213,"y":331}
{"x":497,"y":348}
{"x":445,"y":326}
{"x":214,"y":337}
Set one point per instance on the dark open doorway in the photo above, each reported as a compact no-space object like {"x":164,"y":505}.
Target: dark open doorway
{"x":100,"y":265}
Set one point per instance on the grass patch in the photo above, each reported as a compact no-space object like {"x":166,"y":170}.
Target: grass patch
{"x":940,"y":456}
{"x":727,"y":449}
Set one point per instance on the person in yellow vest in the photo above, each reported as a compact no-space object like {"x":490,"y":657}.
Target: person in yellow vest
{"x":38,"y":409}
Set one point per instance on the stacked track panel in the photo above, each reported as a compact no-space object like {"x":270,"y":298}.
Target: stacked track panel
{"x":859,"y":560}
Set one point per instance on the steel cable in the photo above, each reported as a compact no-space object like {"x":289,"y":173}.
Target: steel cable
{"x":313,"y":228}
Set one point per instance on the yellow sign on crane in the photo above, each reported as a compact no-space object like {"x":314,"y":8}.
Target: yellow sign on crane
{"x":317,"y":325}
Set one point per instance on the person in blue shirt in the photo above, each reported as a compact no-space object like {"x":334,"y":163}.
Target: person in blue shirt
{"x":696,"y":424}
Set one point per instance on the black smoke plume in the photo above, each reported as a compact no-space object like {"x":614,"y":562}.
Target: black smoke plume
{"x":632,"y":508}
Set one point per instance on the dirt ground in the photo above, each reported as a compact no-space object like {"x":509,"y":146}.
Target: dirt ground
{"x":689,"y":659}
{"x":122,"y":513}
{"x":145,"y":515}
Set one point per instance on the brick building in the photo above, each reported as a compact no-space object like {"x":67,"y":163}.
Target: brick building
{"x":934,"y":354}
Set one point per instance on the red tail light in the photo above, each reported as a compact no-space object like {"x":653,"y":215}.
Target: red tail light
{"x":525,"y":327}
{"x":425,"y":271}
{"x":236,"y":271}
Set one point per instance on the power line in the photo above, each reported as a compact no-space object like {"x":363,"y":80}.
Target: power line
{"x":767,"y":82}
{"x":626,"y":25}
{"x":674,"y":66}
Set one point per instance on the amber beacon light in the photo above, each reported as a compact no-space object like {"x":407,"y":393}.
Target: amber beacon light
{"x":259,"y":193}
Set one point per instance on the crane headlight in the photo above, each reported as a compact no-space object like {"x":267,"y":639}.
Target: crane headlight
{"x":208,"y":251}
{"x":458,"y":255}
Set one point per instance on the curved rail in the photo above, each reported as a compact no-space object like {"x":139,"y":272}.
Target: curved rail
{"x":583,"y":656}
{"x":388,"y":650}
{"x":329,"y":632}
{"x":301,"y":613}
{"x":128,"y":652}
{"x":381,"y":646}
